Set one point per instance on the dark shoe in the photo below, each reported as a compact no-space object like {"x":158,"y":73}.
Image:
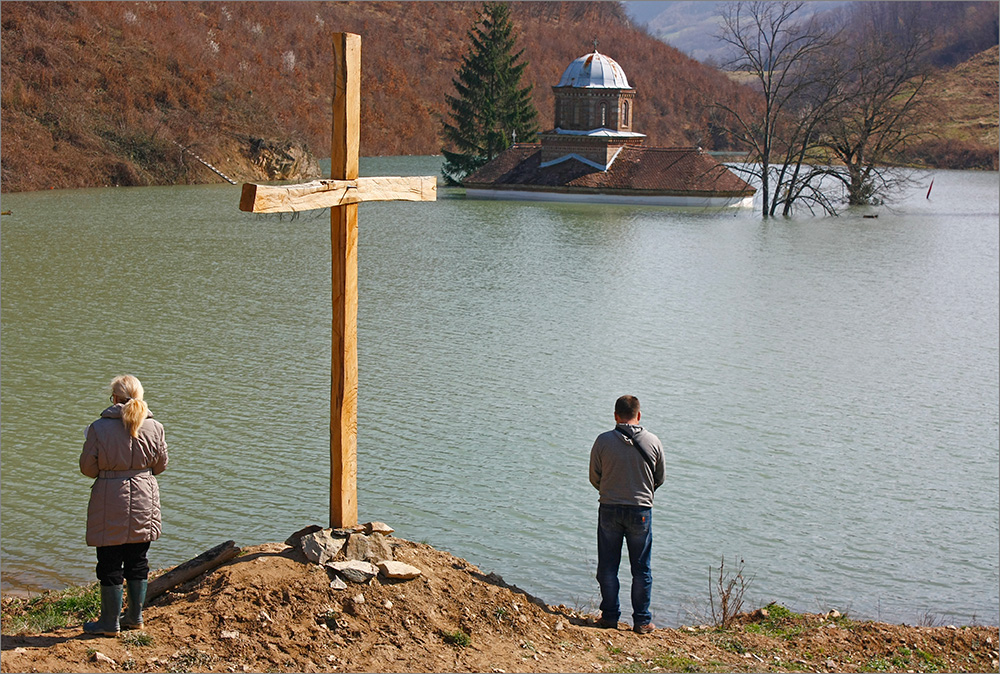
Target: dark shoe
{"x":644,"y":629}
{"x":606,"y":624}
{"x":111,"y":606}
{"x":132,"y":618}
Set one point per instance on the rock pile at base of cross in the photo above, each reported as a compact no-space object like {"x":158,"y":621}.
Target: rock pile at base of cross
{"x":353,"y":554}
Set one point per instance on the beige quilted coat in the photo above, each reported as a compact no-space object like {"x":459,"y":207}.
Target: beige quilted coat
{"x":125,"y":498}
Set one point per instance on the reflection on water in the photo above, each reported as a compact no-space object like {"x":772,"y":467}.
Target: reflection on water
{"x":826,"y":388}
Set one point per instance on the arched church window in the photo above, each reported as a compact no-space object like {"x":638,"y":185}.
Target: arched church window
{"x":624,"y":113}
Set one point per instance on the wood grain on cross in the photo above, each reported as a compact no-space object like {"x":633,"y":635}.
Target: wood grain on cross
{"x":342,"y":194}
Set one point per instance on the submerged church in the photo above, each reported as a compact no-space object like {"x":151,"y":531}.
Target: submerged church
{"x":594,"y":155}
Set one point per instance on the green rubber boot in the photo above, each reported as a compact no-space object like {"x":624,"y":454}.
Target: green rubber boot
{"x":111,"y":606}
{"x":132,"y":618}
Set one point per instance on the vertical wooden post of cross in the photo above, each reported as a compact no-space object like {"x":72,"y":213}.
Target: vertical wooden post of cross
{"x":342,"y":194}
{"x":344,"y":247}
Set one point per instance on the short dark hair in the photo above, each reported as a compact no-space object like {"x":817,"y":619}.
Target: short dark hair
{"x":627,"y":407}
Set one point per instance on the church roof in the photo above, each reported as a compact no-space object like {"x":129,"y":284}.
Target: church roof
{"x":644,"y":170}
{"x":598,"y":133}
{"x":594,"y":71}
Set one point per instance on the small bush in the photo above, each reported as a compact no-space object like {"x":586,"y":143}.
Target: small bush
{"x":777,"y":612}
{"x":134,"y":639}
{"x":728,"y":590}
{"x":190,"y":660}
{"x":951,"y":153}
{"x":731,"y":644}
{"x":458,"y":638}
{"x":780,"y":622}
{"x":328,"y":617}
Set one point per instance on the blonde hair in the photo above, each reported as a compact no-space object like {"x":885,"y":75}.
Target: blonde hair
{"x":134,"y":411}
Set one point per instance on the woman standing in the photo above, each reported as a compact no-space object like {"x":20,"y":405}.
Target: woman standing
{"x":124,"y":449}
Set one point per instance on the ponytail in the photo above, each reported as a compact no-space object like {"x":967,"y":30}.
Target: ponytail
{"x":135,"y":410}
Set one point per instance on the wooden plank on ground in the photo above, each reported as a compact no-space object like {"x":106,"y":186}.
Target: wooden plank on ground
{"x":192,"y":568}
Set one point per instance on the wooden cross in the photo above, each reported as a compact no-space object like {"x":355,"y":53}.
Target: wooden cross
{"x":342,"y":194}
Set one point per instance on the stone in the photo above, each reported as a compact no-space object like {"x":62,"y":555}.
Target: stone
{"x":322,"y":546}
{"x":378,"y":528}
{"x":338,"y":583}
{"x":229,"y":634}
{"x":295,"y":540}
{"x":101,"y":657}
{"x":364,"y":548}
{"x":398,"y":570}
{"x":354,"y":570}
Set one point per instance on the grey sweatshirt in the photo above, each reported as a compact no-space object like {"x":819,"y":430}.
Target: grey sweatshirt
{"x":619,"y":471}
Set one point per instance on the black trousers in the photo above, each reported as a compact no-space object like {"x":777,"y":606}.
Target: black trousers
{"x":115,"y":563}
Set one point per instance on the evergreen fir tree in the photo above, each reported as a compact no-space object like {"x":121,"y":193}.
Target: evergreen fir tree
{"x":491,"y":106}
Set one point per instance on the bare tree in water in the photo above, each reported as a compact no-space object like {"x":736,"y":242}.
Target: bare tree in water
{"x":881,"y":75}
{"x":839,"y":99}
{"x":778,"y":53}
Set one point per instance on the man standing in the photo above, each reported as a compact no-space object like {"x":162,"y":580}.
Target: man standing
{"x":626,"y":467}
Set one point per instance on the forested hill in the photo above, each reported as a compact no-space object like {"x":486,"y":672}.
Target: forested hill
{"x":98,"y":93}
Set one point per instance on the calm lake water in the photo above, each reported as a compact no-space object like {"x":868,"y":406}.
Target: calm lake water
{"x":826,"y":388}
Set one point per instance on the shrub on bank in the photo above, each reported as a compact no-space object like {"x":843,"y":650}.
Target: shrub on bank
{"x":950,"y":153}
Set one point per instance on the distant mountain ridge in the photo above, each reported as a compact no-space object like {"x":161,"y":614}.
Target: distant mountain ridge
{"x":692,"y":26}
{"x":964,"y":28}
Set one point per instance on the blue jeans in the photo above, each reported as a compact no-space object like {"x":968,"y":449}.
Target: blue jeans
{"x":634,"y":525}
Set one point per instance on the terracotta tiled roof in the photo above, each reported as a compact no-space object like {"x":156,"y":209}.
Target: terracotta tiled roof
{"x":649,"y":170}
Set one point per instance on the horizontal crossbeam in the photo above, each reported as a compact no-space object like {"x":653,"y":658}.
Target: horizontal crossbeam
{"x":327,"y":193}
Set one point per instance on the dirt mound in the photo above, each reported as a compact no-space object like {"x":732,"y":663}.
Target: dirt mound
{"x":271,"y":610}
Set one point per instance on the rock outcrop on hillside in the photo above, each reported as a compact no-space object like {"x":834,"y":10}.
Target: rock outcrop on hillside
{"x":278,"y":159}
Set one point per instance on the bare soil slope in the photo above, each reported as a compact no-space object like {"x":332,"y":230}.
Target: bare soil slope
{"x":270,"y":610}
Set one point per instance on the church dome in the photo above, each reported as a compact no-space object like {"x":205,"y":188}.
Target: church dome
{"x":594,"y":71}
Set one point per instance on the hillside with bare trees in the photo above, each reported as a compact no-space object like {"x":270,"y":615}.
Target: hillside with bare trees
{"x":108,"y":93}
{"x":102,"y":93}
